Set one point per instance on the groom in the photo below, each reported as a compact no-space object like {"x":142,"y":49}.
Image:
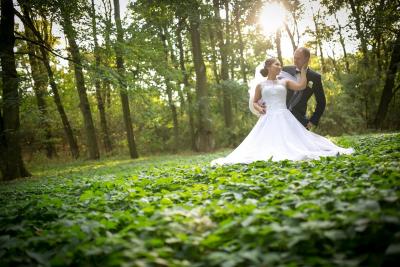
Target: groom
{"x":296,"y":101}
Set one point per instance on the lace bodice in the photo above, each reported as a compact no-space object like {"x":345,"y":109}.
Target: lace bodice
{"x":274,"y":94}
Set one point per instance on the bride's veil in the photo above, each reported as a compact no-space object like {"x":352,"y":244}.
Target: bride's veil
{"x":252,"y":87}
{"x":259,"y":78}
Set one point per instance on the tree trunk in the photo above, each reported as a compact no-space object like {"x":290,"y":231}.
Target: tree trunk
{"x":122,"y":82}
{"x":2,"y":148}
{"x":100,"y":103}
{"x":11,"y":164}
{"x":73,"y":145}
{"x":174,"y":115}
{"x":229,"y":38}
{"x":80,"y":86}
{"x":291,"y":37}
{"x":204,"y":129}
{"x":175,"y":63}
{"x":278,"y":45}
{"x":342,"y":43}
{"x":223,"y":48}
{"x":318,"y":42}
{"x":334,"y":63}
{"x":378,"y":37}
{"x":40,"y":87}
{"x":388,"y":93}
{"x":108,"y":51}
{"x":168,"y":85}
{"x":107,"y":94}
{"x":321,"y":55}
{"x":214,"y":65}
{"x":213,"y":54}
{"x":186,"y":84}
{"x":28,"y":23}
{"x":297,"y":30}
{"x":378,"y":56}
{"x":360,"y":33}
{"x":241,"y":44}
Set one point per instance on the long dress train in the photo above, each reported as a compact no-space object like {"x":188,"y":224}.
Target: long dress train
{"x":278,"y":135}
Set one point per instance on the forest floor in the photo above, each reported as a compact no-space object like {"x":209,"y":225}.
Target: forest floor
{"x":177,"y":210}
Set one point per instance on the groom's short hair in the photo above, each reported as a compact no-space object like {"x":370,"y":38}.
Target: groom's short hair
{"x":305,"y":51}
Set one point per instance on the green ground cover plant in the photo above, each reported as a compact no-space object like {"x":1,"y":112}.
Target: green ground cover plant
{"x":180,"y":211}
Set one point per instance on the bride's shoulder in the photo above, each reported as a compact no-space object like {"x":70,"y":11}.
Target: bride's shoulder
{"x":282,"y":81}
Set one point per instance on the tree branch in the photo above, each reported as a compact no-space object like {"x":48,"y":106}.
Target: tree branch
{"x":28,"y":53}
{"x":396,"y":89}
{"x":27,"y":21}
{"x":24,"y":38}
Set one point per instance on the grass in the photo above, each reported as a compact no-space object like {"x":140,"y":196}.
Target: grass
{"x":176,"y":210}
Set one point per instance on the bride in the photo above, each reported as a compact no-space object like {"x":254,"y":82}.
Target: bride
{"x":278,"y":135}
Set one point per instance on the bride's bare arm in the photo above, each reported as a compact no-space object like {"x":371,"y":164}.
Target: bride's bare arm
{"x":297,"y":86}
{"x":257,"y":97}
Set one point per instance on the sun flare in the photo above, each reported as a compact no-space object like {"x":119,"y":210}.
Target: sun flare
{"x":272,"y":17}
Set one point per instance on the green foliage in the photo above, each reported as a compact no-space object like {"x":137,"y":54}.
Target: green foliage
{"x":353,"y":93}
{"x":179,"y":211}
{"x":244,"y":120}
{"x":343,"y":113}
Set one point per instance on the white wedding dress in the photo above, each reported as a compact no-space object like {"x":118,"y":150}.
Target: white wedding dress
{"x":278,"y":135}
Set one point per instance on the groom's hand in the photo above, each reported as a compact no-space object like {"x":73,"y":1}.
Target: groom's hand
{"x":263,"y":107}
{"x":309,"y":125}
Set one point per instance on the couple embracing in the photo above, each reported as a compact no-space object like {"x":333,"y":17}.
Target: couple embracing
{"x":279,"y":97}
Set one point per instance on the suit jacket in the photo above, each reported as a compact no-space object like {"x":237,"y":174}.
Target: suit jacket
{"x":316,"y":89}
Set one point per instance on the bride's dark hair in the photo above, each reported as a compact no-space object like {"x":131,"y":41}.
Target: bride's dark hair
{"x":267,"y":63}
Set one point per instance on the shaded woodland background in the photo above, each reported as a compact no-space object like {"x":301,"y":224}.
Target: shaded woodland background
{"x":172,"y":76}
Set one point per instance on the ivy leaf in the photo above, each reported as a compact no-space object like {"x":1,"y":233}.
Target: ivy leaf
{"x":40,"y":258}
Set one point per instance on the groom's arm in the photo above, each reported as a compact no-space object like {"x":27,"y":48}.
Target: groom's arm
{"x":320,"y":100}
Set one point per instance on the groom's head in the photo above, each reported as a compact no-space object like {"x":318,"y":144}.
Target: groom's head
{"x":300,"y":56}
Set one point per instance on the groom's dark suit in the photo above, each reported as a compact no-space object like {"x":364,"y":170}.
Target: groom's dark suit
{"x":296,"y":101}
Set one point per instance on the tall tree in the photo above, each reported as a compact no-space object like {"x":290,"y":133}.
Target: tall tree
{"x":214,"y":64}
{"x":70,"y":33}
{"x":108,"y":50}
{"x":291,"y":37}
{"x":28,"y":23}
{"x":122,"y":82}
{"x":342,"y":43}
{"x":11,"y":163}
{"x":278,"y":44}
{"x":318,"y":40}
{"x":2,"y":145}
{"x":40,"y":83}
{"x":238,"y":27}
{"x":295,"y":8}
{"x":228,"y":41}
{"x":185,"y":81}
{"x":388,"y":89}
{"x":204,"y":128}
{"x":172,"y":50}
{"x":100,"y":102}
{"x":356,"y":10}
{"x":223,"y":50}
{"x":169,"y":89}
